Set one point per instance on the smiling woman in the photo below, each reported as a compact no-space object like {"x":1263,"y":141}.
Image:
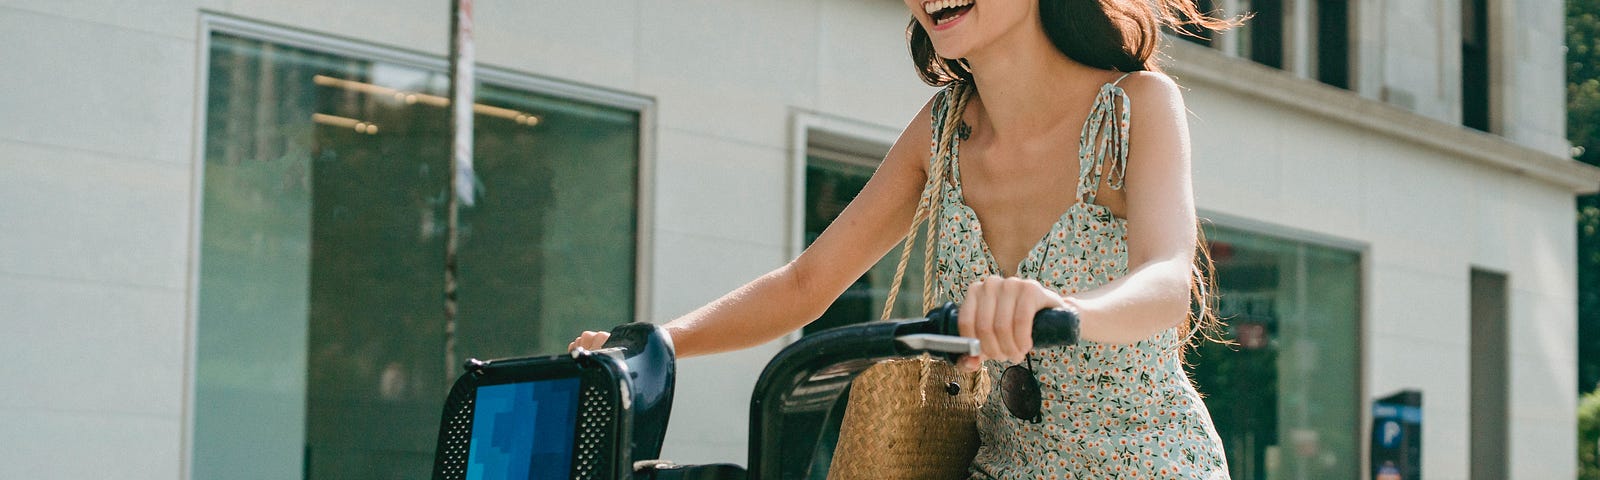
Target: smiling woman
{"x":1054,"y":127}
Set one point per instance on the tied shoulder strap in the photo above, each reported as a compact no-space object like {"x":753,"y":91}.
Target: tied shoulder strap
{"x":1103,"y":145}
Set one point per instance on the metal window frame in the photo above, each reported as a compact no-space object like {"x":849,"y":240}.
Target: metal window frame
{"x":213,"y":22}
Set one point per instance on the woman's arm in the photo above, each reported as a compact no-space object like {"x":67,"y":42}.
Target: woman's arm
{"x":797,"y":293}
{"x":1154,"y":295}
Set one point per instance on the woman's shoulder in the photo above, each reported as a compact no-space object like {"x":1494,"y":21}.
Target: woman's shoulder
{"x":1151,"y":91}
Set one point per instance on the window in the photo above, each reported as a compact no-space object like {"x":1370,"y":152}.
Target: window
{"x":1490,"y":381}
{"x":1285,"y":398}
{"x":1308,"y":37}
{"x":1261,"y":38}
{"x":1475,"y":64}
{"x":320,"y":348}
{"x":833,"y":177}
{"x":1333,"y":42}
{"x":1196,"y":34}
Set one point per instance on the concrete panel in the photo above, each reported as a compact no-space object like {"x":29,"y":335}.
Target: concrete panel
{"x":728,"y":68}
{"x":419,"y":25}
{"x":1542,"y":326}
{"x":1417,"y":224}
{"x":864,"y":69}
{"x":559,"y":39}
{"x":94,"y":217}
{"x":172,"y":18}
{"x":91,"y":347}
{"x":1545,"y":257}
{"x":1541,"y":393}
{"x":1324,"y":169}
{"x":1235,"y":172}
{"x":1497,"y":231}
{"x":711,"y":414}
{"x":715,"y":187}
{"x":73,"y":446}
{"x":1439,"y":370}
{"x":711,"y":410}
{"x":692,"y":270}
{"x":1543,"y":449}
{"x":90,"y":86}
{"x":1446,"y":441}
{"x":1420,"y":306}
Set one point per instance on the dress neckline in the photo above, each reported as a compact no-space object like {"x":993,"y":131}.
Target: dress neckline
{"x":1096,"y":212}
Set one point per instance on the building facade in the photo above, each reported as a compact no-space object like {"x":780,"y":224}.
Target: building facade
{"x":224,"y":219}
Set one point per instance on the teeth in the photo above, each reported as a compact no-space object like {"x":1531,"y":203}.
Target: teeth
{"x":935,"y":6}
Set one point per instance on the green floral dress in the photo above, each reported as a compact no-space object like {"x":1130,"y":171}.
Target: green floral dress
{"x":1110,"y":411}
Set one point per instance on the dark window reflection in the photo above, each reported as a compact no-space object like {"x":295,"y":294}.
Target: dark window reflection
{"x":349,"y":158}
{"x":1285,"y":397}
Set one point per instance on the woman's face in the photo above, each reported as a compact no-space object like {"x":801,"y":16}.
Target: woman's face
{"x":959,"y":28}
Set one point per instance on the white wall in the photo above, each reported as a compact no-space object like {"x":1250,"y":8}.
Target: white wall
{"x":1426,"y":218}
{"x":1417,"y":57}
{"x":96,"y":194}
{"x":95,"y":160}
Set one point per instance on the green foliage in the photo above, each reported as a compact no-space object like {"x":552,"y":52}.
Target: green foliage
{"x":1589,"y":436}
{"x":1583,"y":77}
{"x":1583,"y":129}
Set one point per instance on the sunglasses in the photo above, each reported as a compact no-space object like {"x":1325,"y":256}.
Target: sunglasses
{"x":1020,"y":391}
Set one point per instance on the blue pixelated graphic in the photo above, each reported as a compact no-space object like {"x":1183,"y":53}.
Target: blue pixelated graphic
{"x":523,"y":431}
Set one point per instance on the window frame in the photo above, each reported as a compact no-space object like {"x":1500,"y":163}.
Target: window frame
{"x":213,"y":23}
{"x":834,"y":133}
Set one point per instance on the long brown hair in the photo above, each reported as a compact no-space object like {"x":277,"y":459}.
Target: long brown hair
{"x":1119,"y":35}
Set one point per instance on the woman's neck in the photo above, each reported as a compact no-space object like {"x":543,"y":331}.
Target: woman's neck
{"x":1015,"y":76}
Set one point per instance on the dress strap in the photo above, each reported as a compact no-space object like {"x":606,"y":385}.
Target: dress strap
{"x":1103,"y":144}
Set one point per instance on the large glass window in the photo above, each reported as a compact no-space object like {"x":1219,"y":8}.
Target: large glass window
{"x":321,"y":332}
{"x":1286,"y":397}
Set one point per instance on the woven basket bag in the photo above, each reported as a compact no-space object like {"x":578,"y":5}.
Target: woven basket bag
{"x":910,"y":419}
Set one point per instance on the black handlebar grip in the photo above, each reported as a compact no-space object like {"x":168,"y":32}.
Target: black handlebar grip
{"x":1055,"y":328}
{"x":1051,"y":327}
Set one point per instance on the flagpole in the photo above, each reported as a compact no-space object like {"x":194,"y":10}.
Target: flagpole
{"x":461,"y":176}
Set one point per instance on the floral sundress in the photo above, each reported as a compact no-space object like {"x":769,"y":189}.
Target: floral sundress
{"x":1109,"y":411}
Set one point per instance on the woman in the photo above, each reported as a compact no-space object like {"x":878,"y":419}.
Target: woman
{"x":1054,"y":129}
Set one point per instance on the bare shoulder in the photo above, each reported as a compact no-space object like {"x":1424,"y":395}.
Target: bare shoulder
{"x":1152,"y":93}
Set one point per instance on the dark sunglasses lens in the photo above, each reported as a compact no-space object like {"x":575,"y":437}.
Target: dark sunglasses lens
{"x":1020,"y":392}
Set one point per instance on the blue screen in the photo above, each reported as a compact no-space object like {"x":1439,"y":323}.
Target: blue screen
{"x":523,"y":431}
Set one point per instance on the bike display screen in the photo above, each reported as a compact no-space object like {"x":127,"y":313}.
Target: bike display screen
{"x":523,"y":430}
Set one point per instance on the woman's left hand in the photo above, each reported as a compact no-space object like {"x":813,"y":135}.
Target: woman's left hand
{"x":999,"y":313}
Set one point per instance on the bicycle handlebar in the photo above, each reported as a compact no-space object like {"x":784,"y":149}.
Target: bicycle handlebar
{"x":1051,"y":327}
{"x":807,"y":380}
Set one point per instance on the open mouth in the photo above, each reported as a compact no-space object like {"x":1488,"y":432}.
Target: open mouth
{"x":945,"y":11}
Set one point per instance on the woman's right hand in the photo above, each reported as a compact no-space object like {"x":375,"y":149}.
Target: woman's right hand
{"x":589,"y":341}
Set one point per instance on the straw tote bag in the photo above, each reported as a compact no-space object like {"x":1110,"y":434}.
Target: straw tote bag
{"x":910,"y":419}
{"x":914,"y":418}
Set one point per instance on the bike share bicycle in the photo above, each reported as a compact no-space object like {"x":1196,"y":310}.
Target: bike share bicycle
{"x":603,"y":414}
